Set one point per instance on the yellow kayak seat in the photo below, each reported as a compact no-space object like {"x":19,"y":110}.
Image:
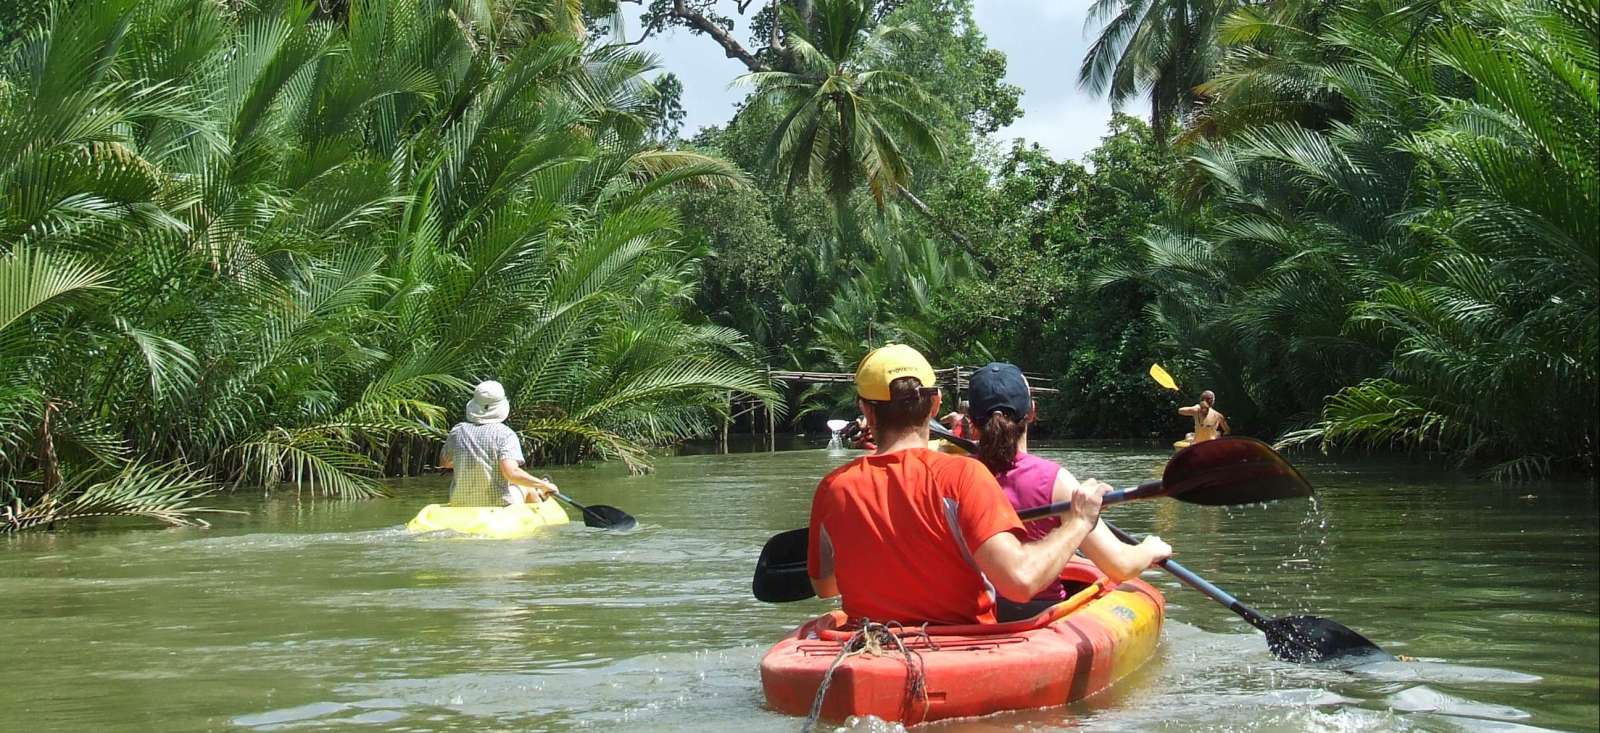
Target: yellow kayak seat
{"x":494,"y":522}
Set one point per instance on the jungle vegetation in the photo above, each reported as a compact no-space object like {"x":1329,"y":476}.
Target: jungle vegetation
{"x":1366,"y":224}
{"x":272,"y":243}
{"x":275,"y":244}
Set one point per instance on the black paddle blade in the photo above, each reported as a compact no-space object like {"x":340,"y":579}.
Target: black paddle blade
{"x":1313,"y":639}
{"x":781,"y":570}
{"x":1231,"y":471}
{"x":608,"y":517}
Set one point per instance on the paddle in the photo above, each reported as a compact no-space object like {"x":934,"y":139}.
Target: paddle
{"x":1223,"y":472}
{"x":1220,"y":472}
{"x":599,"y":516}
{"x":1162,"y":377}
{"x":1290,"y":638}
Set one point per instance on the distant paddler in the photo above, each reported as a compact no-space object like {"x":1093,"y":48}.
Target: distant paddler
{"x":958,"y":422}
{"x":487,"y":456}
{"x":1209,"y":422}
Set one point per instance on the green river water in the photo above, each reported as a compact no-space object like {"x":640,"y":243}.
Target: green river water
{"x":318,"y":615}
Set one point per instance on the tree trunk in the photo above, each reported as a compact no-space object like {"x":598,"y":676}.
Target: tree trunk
{"x":49,"y":464}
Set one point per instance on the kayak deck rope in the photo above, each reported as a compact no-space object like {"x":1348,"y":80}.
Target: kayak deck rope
{"x":873,"y":639}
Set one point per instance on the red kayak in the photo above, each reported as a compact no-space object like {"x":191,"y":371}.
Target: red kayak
{"x":1077,"y":648}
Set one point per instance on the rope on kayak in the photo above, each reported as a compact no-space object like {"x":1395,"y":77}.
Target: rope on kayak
{"x":873,"y":639}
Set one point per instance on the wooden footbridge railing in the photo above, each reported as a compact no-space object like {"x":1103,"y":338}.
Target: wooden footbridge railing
{"x":953,"y":379}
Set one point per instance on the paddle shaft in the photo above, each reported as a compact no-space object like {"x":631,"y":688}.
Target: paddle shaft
{"x":588,"y":514}
{"x":1198,"y":583}
{"x":1115,"y":496}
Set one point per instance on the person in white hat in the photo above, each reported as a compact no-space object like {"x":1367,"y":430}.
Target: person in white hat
{"x":487,"y":456}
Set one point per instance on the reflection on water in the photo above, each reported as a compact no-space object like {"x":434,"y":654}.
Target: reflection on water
{"x":327,"y":615}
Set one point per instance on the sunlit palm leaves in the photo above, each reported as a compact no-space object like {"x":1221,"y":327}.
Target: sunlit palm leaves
{"x":844,"y":118}
{"x":1164,"y":49}
{"x":163,"y":493}
{"x":1417,"y":235}
{"x":305,"y":240}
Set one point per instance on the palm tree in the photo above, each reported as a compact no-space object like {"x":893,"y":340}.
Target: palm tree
{"x":844,"y":118}
{"x":1161,"y":48}
{"x":257,"y":248}
{"x":1382,"y":274}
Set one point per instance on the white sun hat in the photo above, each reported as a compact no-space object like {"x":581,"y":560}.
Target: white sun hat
{"x":488,"y":404}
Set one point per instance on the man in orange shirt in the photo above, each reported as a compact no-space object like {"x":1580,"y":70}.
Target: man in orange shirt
{"x":912,"y":535}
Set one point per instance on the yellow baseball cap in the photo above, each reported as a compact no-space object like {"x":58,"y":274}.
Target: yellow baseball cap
{"x":886,"y":364}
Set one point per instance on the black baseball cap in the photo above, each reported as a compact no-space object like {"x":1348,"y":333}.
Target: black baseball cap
{"x":998,"y":386}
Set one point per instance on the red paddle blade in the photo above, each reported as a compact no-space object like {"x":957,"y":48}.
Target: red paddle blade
{"x":1231,"y":471}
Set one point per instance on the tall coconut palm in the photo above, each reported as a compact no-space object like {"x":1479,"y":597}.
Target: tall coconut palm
{"x":844,"y":117}
{"x":1164,"y":49}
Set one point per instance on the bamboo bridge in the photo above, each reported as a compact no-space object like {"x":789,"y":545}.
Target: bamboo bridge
{"x":953,"y":379}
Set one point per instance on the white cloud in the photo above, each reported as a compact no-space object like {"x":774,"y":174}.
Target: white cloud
{"x":1068,"y":127}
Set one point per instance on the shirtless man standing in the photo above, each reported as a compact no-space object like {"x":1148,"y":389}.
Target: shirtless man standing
{"x":1209,"y":423}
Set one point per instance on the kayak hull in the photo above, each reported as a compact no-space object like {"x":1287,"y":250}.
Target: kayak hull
{"x":1079,"y":647}
{"x":494,"y":522}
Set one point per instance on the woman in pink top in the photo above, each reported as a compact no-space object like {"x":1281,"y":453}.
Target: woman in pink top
{"x":1001,"y":410}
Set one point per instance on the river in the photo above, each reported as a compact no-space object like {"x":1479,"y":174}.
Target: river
{"x":327,"y":615}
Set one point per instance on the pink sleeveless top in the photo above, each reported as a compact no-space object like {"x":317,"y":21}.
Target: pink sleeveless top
{"x":1031,"y":483}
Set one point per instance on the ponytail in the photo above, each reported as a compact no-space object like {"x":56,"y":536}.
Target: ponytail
{"x":999,"y":435}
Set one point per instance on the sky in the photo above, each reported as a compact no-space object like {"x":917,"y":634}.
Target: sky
{"x":1043,"y":41}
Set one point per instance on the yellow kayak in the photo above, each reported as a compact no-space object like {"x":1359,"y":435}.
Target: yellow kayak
{"x":1181,"y":444}
{"x":494,"y":522}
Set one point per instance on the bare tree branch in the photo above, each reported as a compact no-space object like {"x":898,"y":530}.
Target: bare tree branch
{"x":730,"y":45}
{"x":645,"y":36}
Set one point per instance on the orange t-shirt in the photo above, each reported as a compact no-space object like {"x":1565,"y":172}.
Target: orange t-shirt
{"x":903,"y":529}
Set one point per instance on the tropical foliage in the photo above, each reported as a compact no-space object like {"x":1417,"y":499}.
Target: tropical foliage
{"x":1163,"y":49}
{"x":1403,"y":215}
{"x":257,"y":245}
{"x":843,"y":134}
{"x":844,"y":117}
{"x":1363,"y":224}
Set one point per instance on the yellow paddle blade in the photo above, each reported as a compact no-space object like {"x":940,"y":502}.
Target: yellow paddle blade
{"x":1162,"y":377}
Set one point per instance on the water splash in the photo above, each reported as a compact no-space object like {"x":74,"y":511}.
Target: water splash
{"x":836,"y":427}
